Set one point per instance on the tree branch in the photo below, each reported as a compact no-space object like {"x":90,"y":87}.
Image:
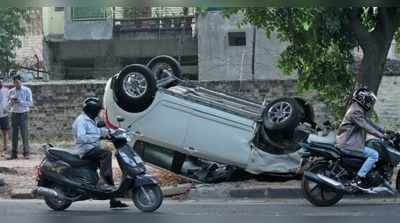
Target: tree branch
{"x":361,"y":32}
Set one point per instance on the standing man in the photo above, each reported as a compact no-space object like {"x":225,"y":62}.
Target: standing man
{"x":4,"y":123}
{"x":20,"y":99}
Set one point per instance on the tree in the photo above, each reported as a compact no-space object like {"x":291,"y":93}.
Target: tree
{"x":12,"y":26}
{"x":322,"y":42}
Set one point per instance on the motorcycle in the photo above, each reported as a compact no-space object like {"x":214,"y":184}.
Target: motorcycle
{"x":63,"y":177}
{"x":328,"y":170}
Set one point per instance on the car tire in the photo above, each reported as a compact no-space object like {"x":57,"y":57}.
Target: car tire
{"x":134,"y":88}
{"x":282,"y":114}
{"x":160,"y":64}
{"x":278,"y":143}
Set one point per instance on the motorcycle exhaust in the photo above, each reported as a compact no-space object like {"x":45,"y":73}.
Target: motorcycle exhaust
{"x":47,"y":192}
{"x":324,"y":180}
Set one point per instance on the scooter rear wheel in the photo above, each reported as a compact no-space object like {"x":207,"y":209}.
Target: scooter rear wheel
{"x":147,"y":198}
{"x":57,"y":204}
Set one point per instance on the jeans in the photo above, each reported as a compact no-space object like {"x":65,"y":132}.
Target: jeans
{"x":372,"y":156}
{"x":19,"y":123}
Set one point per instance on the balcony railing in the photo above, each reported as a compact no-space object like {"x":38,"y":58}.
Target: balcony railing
{"x":178,"y":23}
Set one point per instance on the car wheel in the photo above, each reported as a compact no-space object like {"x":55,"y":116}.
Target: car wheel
{"x":135,"y":88}
{"x":164,"y":67}
{"x":282,"y":114}
{"x":278,"y":143}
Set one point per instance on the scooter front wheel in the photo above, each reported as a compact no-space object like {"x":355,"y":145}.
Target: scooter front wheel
{"x":147,"y":198}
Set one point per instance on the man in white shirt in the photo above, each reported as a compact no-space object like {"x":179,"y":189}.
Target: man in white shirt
{"x":20,"y":99}
{"x":4,"y":123}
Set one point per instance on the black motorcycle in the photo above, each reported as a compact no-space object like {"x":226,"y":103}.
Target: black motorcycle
{"x":329,"y":170}
{"x":64,"y":178}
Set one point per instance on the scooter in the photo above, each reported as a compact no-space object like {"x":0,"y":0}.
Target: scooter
{"x":63,"y":177}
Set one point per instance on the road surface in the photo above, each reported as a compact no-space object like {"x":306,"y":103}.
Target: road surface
{"x":197,"y":211}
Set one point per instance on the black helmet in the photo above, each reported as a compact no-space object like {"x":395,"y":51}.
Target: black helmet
{"x":365,"y":98}
{"x":92,"y":107}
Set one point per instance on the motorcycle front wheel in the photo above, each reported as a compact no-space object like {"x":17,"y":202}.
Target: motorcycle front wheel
{"x":147,"y":198}
{"x":317,"y":194}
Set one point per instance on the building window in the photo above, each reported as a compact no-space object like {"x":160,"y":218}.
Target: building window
{"x":237,"y":38}
{"x":88,"y":13}
{"x":59,"y":9}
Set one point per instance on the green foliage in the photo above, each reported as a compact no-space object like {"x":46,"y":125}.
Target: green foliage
{"x":12,"y":26}
{"x":320,"y":45}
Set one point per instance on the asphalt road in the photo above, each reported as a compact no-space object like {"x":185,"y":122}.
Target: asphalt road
{"x":201,"y":211}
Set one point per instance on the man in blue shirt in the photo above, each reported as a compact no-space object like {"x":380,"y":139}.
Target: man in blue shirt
{"x":87,"y":136}
{"x":20,"y":100}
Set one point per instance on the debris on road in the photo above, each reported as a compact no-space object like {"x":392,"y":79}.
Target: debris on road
{"x":171,"y":191}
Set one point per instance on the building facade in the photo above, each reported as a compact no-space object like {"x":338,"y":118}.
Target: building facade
{"x":230,"y":52}
{"x":82,"y":43}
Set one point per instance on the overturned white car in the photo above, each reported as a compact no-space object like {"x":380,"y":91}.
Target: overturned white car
{"x":203,"y":134}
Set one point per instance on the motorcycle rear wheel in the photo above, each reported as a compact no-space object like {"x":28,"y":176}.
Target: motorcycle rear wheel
{"x":317,"y":194}
{"x":147,"y":198}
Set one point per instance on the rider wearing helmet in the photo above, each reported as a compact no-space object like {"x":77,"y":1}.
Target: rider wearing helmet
{"x":352,"y":132}
{"x":87,"y":136}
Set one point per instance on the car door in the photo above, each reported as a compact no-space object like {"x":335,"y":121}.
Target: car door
{"x":218,"y":136}
{"x":165,"y":125}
